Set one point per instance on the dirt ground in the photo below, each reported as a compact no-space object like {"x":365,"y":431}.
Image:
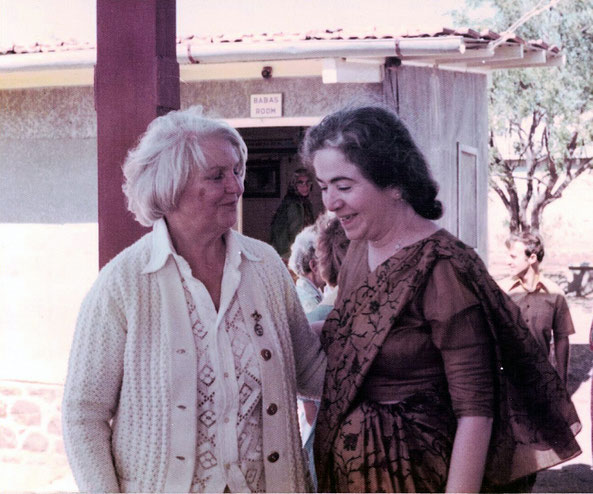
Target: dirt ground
{"x":576,"y":475}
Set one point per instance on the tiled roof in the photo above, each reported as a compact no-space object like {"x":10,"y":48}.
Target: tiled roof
{"x":41,"y":47}
{"x":469,"y":35}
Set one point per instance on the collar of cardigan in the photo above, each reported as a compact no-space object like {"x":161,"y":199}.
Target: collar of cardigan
{"x":162,"y":247}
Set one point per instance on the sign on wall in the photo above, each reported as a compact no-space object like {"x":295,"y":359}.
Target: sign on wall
{"x":266,"y":105}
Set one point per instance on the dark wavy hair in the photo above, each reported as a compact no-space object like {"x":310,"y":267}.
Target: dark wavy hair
{"x":376,"y":140}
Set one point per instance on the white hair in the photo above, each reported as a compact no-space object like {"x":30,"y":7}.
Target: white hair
{"x":157,"y":170}
{"x":302,"y":251}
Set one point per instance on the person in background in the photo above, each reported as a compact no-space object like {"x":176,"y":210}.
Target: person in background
{"x":330,"y":249}
{"x":294,"y":213}
{"x":332,"y":245}
{"x":191,"y":345}
{"x":433,"y":381}
{"x":303,"y":262}
{"x":542,"y":302}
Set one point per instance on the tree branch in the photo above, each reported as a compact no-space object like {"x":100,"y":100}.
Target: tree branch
{"x":501,"y":194}
{"x":584,"y":165}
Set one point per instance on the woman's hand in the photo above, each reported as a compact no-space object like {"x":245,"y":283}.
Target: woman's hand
{"x":469,"y":454}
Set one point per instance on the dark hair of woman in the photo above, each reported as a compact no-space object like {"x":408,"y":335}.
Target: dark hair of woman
{"x":376,"y":140}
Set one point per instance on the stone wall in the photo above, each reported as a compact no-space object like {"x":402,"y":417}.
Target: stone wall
{"x":32,"y":456}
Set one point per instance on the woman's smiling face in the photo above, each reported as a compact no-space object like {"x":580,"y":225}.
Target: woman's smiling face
{"x":362,"y":207}
{"x":209,"y":201}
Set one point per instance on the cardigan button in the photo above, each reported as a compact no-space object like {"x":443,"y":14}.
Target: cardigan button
{"x":273,"y":457}
{"x":272,"y":409}
{"x":181,"y":458}
{"x":259,"y":329}
{"x":181,"y":351}
{"x":181,"y":407}
{"x":266,"y":354}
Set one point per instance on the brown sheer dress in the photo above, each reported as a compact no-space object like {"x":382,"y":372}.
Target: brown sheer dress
{"x":411,"y":348}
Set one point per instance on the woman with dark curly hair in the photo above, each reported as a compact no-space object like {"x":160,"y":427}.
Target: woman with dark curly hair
{"x":433,"y":382}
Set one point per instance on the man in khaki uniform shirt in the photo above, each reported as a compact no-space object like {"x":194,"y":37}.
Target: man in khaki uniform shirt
{"x":542,"y":302}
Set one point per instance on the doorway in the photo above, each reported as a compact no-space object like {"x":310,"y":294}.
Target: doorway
{"x":273,"y":157}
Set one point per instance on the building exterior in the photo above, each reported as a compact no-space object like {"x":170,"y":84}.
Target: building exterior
{"x":271,"y":88}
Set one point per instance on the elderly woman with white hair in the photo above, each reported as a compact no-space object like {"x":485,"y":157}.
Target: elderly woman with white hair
{"x":303,"y":262}
{"x":183,"y":371}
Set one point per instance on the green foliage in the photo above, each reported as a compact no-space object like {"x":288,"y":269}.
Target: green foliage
{"x":545,"y":113}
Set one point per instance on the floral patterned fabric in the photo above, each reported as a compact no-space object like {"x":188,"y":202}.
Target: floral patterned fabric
{"x":364,"y":446}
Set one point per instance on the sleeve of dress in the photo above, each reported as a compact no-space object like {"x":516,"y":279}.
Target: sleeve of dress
{"x":91,"y":391}
{"x":460,"y":332}
{"x":309,"y":357}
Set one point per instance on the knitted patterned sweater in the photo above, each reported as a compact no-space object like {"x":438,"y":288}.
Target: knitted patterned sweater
{"x":130,"y":399}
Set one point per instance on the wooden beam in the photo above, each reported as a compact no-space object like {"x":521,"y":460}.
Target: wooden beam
{"x":529,"y":58}
{"x":136,"y":80}
{"x":337,"y":70}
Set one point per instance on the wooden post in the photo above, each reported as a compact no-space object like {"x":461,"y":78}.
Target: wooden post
{"x":136,"y":80}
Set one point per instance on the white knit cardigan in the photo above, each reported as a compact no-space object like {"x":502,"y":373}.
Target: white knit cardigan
{"x":130,"y":399}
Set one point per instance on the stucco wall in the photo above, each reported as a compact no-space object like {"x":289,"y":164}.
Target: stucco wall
{"x":302,"y":97}
{"x":48,"y":231}
{"x":49,"y":113}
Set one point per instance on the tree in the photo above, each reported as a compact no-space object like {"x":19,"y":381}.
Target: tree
{"x":541,"y":119}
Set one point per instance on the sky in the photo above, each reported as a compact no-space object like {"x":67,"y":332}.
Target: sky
{"x":24,"y":22}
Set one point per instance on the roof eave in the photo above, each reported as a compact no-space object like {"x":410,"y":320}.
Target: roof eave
{"x":451,"y":52}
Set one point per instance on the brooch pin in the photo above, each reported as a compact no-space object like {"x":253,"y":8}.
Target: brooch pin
{"x":258,"y":328}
